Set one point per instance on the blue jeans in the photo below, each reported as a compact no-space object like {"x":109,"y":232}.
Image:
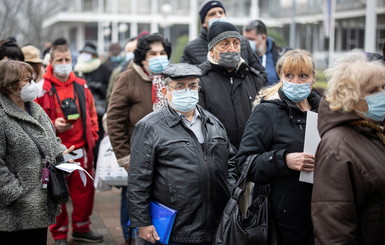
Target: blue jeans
{"x":124,"y":214}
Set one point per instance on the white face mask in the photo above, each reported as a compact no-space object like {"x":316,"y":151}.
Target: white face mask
{"x":84,"y":58}
{"x":29,"y":92}
{"x":62,"y":70}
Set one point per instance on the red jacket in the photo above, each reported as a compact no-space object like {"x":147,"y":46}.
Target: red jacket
{"x":50,"y":104}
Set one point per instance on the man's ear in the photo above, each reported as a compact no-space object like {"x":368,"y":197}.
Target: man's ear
{"x":264,"y":37}
{"x":212,"y":52}
{"x":164,"y":91}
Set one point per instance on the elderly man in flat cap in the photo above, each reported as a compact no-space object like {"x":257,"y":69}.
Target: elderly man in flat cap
{"x":179,"y":158}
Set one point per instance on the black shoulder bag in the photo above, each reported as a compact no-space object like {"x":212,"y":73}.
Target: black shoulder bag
{"x":57,"y":185}
{"x":248,"y":229}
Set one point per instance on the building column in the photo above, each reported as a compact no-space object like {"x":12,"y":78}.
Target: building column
{"x":370,"y":26}
{"x":80,"y":36}
{"x":193,"y":25}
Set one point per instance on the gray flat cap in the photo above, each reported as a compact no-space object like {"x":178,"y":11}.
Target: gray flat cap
{"x":181,"y":70}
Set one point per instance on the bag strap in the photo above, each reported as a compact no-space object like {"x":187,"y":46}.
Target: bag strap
{"x":245,"y":171}
{"x":41,"y":152}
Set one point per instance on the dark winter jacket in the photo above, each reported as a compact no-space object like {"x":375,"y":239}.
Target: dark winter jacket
{"x":229,"y":95}
{"x":275,"y":128}
{"x":170,"y":166}
{"x":348,"y":203}
{"x":196,"y":51}
{"x":97,"y":76}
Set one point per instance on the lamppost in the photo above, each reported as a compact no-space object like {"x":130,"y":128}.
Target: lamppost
{"x":166,"y":11}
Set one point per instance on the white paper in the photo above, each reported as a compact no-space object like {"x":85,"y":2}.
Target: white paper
{"x":70,"y":167}
{"x":312,"y":140}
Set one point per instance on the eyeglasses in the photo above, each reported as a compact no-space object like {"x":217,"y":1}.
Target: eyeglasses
{"x":182,"y":87}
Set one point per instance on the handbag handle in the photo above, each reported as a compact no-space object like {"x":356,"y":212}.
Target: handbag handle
{"x":41,"y":152}
{"x":241,"y":183}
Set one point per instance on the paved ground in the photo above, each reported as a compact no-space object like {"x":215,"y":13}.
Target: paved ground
{"x":105,"y":219}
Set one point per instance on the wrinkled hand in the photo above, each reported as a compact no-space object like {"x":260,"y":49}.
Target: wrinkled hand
{"x":62,"y":125}
{"x":300,"y":161}
{"x":148,"y":233}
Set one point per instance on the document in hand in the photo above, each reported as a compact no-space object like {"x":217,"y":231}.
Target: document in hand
{"x":163,"y":219}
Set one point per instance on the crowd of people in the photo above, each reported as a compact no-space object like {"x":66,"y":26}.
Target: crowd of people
{"x":184,"y":131}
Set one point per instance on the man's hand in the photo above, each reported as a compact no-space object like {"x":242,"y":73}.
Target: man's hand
{"x":62,"y":125}
{"x":300,"y":161}
{"x":149,"y":234}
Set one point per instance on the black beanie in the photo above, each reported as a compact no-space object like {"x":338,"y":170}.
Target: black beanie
{"x":90,"y":48}
{"x":219,"y":31}
{"x":206,"y":6}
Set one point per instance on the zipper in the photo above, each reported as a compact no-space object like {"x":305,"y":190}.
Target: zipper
{"x":231,"y":81}
{"x":206,"y":170}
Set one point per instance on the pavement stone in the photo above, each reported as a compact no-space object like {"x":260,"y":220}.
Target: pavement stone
{"x":105,"y":219}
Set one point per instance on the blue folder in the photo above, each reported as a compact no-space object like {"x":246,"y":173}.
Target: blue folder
{"x":163,"y":219}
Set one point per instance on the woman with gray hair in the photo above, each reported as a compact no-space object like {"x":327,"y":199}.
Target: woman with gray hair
{"x":348,"y":202}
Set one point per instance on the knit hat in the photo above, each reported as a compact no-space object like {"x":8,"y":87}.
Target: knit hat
{"x":31,"y":54}
{"x":206,"y":6}
{"x":89,"y":48}
{"x":220,"y":31}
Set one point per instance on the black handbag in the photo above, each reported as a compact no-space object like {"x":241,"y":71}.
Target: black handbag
{"x":57,"y":185}
{"x":251,"y":227}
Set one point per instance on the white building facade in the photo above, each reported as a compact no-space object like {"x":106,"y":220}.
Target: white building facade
{"x":358,"y":23}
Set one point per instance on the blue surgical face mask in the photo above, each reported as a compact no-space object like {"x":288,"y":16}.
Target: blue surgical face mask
{"x":158,"y":64}
{"x":376,"y":105}
{"x":296,"y":92}
{"x":221,"y":19}
{"x":253,"y":45}
{"x":184,"y":100}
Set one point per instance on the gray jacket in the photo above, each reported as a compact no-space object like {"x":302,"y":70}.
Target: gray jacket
{"x":23,"y":203}
{"x":169,"y":165}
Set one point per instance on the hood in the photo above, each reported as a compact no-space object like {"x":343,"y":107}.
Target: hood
{"x":49,"y":76}
{"x":328,"y":119}
{"x":87,"y":67}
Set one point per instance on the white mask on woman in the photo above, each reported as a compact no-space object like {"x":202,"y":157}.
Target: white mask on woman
{"x":29,"y":92}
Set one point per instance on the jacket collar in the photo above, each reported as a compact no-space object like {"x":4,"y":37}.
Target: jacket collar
{"x":12,"y":110}
{"x":141,"y":72}
{"x":203,"y":33}
{"x":172,"y":117}
{"x":87,"y":67}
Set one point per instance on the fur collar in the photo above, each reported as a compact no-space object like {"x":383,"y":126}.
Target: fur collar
{"x":87,"y":67}
{"x":141,"y":72}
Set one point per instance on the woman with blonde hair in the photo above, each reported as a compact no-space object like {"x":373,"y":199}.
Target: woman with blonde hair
{"x":348,"y":202}
{"x":275,"y":132}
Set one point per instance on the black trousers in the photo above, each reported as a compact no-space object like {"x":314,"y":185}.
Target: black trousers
{"x":21,"y":237}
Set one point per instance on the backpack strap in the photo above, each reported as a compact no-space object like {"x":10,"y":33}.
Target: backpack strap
{"x":79,"y":90}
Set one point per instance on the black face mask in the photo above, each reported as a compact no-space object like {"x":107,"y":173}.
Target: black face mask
{"x":70,"y":109}
{"x":229,"y":60}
